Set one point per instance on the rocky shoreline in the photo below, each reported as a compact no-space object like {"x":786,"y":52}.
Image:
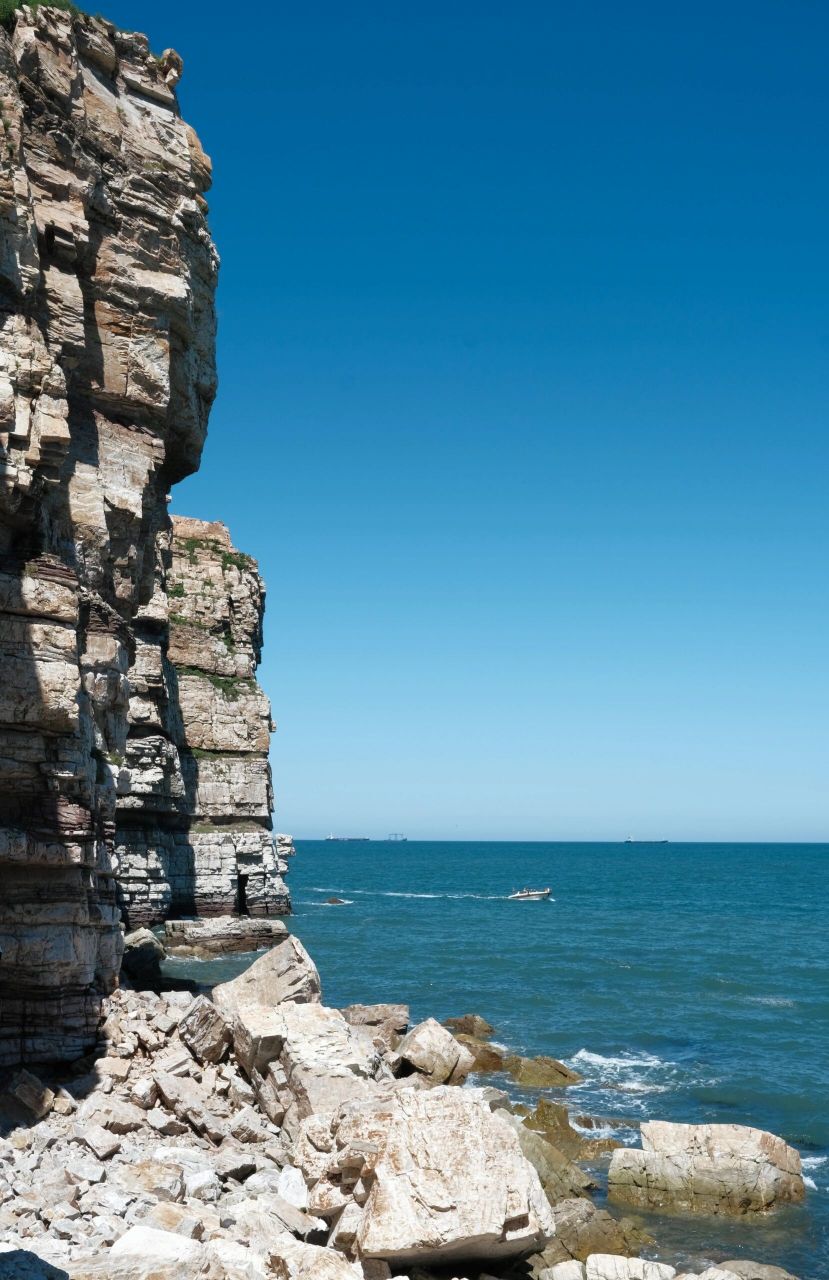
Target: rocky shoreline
{"x":262,"y":1134}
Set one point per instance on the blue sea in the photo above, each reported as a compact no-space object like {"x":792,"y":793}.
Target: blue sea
{"x":684,"y":981}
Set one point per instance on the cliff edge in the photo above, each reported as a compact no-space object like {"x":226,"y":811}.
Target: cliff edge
{"x":107,"y":375}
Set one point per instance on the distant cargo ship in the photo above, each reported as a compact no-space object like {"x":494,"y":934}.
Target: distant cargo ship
{"x":397,"y":836}
{"x":630,"y":840}
{"x":349,"y":839}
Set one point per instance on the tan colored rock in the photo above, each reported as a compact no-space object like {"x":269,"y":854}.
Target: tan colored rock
{"x":470,"y":1024}
{"x":560,"y":1177}
{"x":711,"y":1168}
{"x":31,"y":1093}
{"x":320,"y":1060}
{"x":552,"y":1120}
{"x":434,"y":1052}
{"x":486,"y":1058}
{"x":290,"y":1259}
{"x":541,"y":1072}
{"x":285,"y":974}
{"x":205,"y":1031}
{"x":583,"y":1229}
{"x":436,"y":1174}
{"x":143,"y":954}
{"x":606,"y":1266}
{"x":395,"y":1016}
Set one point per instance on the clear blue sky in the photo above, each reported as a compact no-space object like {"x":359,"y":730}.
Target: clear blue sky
{"x":523,"y":400}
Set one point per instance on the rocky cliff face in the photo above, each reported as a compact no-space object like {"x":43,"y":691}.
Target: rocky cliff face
{"x":194,"y":816}
{"x":107,"y":275}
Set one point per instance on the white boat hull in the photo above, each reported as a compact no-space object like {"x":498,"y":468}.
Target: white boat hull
{"x":530,"y":895}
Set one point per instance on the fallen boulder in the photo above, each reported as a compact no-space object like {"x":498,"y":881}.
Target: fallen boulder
{"x":434,"y":1052}
{"x":143,"y":954}
{"x":31,"y":1093}
{"x":394,"y":1016}
{"x":607,"y":1266}
{"x":552,"y":1119}
{"x":706,"y":1168}
{"x":285,"y":974}
{"x":428,"y":1176}
{"x":302,"y":1059}
{"x":205,"y":1031}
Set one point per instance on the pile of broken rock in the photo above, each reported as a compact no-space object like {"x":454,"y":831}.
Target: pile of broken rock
{"x":262,"y":1135}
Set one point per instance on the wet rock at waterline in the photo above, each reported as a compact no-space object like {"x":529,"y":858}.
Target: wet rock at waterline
{"x":708,"y":1168}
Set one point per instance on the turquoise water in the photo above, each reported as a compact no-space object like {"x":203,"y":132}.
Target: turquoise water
{"x":685,"y":982}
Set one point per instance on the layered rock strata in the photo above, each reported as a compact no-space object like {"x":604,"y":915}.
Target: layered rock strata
{"x":706,"y":1168}
{"x":194,"y":816}
{"x":107,"y":274}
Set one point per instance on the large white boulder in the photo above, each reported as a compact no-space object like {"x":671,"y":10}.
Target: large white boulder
{"x":609,"y":1266}
{"x":434,"y":1052}
{"x":420,"y":1176}
{"x":286,"y":973}
{"x":706,"y":1168}
{"x":303,"y":1059}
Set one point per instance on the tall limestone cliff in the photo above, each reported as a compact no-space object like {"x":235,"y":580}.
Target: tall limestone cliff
{"x":107,"y":374}
{"x":194,"y":820}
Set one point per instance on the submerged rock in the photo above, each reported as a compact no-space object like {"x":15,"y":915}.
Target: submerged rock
{"x":485,"y":1057}
{"x":470,"y":1024}
{"x":746,"y":1270}
{"x":541,"y":1072}
{"x":707,"y":1168}
{"x":552,"y":1119}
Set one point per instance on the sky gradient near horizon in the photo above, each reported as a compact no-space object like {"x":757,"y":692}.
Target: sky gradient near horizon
{"x":523,"y":347}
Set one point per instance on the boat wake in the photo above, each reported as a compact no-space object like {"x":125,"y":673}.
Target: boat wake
{"x":397,"y":893}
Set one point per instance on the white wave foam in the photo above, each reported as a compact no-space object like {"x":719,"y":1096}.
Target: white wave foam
{"x":623,"y":1062}
{"x":597,"y":1130}
{"x":778,"y":1002}
{"x":810,"y":1183}
{"x":642,"y":1086}
{"x":813,"y":1162}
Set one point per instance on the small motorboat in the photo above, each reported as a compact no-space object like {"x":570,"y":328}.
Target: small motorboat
{"x":529,"y":895}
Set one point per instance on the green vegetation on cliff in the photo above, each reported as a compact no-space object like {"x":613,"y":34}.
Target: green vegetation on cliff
{"x":8,"y":9}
